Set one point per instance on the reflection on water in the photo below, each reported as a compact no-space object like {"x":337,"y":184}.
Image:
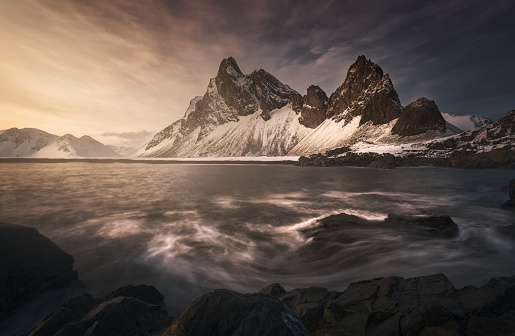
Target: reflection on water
{"x":189,"y":228}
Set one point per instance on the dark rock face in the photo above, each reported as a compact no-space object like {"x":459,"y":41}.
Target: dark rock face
{"x":131,"y":310}
{"x":427,"y":305}
{"x":419,"y":117}
{"x":337,"y":151}
{"x":314,"y":107}
{"x":347,"y":229}
{"x":275,"y":290}
{"x":30,"y":264}
{"x":371,"y":160}
{"x":224,"y":312}
{"x":440,"y":226}
{"x":490,"y":307}
{"x":510,"y":204}
{"x":366,"y":92}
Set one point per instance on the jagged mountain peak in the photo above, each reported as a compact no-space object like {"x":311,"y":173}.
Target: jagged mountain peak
{"x":256,"y":114}
{"x":366,"y":92}
{"x":229,"y":66}
{"x":364,"y":67}
{"x":229,"y":96}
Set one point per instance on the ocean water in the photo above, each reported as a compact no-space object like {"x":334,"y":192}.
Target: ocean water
{"x":187,"y":229}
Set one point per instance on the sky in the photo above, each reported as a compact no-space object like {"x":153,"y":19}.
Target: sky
{"x":96,"y":66}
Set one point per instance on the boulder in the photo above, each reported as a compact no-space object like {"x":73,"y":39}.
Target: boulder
{"x":510,"y":204}
{"x":131,"y":310}
{"x":275,"y":290}
{"x":224,"y":312}
{"x":438,"y":226}
{"x":30,"y":264}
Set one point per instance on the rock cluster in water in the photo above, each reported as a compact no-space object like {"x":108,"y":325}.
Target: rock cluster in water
{"x":426,"y":305}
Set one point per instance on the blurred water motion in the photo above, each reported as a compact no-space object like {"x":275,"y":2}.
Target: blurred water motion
{"x":190,"y":228}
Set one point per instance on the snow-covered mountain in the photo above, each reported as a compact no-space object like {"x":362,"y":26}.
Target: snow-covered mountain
{"x":467,"y":122}
{"x":31,"y":142}
{"x":69,"y":146}
{"x":23,"y":142}
{"x":256,"y":114}
{"x":496,"y":135}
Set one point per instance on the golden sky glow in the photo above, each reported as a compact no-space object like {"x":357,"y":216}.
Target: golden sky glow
{"x":85,"y":67}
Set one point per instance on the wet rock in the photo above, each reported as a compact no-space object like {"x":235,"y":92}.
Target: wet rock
{"x":337,"y":151}
{"x":30,"y":264}
{"x":308,"y":304}
{"x":224,"y":312}
{"x":386,"y":306}
{"x":275,"y":290}
{"x":144,"y":293}
{"x":510,"y":204}
{"x":130,"y":310}
{"x":419,"y":117}
{"x":491,"y":307}
{"x":440,"y":226}
{"x":379,"y":164}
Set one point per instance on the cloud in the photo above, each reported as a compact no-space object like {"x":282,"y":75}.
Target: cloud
{"x":114,"y":66}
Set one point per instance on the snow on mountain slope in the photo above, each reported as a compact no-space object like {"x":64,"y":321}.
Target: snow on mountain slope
{"x":69,"y":146}
{"x":256,"y":114}
{"x":16,"y":142}
{"x":467,"y":122}
{"x":251,"y":135}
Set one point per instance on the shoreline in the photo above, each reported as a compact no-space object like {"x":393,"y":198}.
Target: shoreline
{"x":150,"y":161}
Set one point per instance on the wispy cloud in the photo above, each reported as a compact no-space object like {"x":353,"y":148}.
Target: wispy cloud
{"x":98,"y":66}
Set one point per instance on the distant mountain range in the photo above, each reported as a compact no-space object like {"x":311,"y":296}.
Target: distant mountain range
{"x":257,"y":115}
{"x":31,"y":142}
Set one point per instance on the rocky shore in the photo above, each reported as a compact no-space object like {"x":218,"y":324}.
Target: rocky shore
{"x":488,"y":147}
{"x":501,"y":158}
{"x":30,"y":265}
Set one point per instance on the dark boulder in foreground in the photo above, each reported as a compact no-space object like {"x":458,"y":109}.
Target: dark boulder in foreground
{"x":224,"y":312}
{"x":30,"y":264}
{"x":131,"y":310}
{"x":427,"y":305}
{"x":510,"y":204}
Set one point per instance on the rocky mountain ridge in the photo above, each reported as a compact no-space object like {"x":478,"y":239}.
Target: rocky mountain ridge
{"x":488,"y":147}
{"x":365,"y":107}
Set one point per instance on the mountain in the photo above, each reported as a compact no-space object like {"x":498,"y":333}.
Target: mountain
{"x":68,"y":146}
{"x":23,"y":142}
{"x":256,"y":114}
{"x":239,"y":115}
{"x":366,"y":93}
{"x":500,"y":134}
{"x":467,"y":122}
